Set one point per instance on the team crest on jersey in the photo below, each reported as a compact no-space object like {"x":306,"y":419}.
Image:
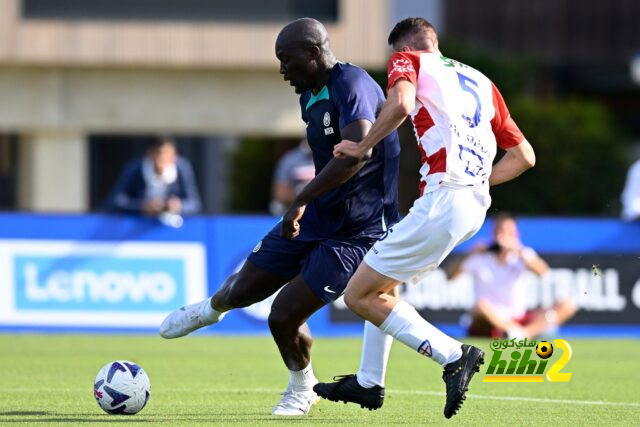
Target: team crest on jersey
{"x":425,"y":348}
{"x":402,"y":65}
{"x":326,"y":120}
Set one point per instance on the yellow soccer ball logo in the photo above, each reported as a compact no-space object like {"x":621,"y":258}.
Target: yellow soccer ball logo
{"x":544,"y":349}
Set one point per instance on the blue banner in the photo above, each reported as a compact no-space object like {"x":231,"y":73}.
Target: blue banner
{"x":106,"y":272}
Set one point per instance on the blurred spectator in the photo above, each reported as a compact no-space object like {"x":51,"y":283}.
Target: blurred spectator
{"x":294,"y":170}
{"x":500,"y":296}
{"x":160,"y":184}
{"x":631,"y":194}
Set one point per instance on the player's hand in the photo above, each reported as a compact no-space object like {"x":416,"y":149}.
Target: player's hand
{"x":349,"y":148}
{"x":290,"y":224}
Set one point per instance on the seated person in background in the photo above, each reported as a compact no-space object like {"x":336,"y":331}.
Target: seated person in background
{"x":159,"y":184}
{"x":500,"y":297}
{"x":294,"y":171}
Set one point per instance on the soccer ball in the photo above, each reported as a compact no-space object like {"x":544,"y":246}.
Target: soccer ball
{"x":122,"y":387}
{"x":544,"y":349}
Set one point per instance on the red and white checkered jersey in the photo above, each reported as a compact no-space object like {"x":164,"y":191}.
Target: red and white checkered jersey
{"x":459,"y":119}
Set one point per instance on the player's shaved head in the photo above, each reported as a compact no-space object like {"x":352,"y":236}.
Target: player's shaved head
{"x":413,"y":34}
{"x":302,"y":47}
{"x":304,"y":32}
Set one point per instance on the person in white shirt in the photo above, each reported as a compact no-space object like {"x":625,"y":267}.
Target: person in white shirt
{"x":500,"y":296}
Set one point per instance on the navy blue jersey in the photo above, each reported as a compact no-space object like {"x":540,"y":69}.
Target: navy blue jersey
{"x":368,"y":201}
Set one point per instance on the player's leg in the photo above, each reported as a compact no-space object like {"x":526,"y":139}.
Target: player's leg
{"x":366,"y":387}
{"x":418,"y":243}
{"x":367,"y":296}
{"x":287,"y":322}
{"x":324,"y":276}
{"x":250,"y":285}
{"x":271,"y":264}
{"x":376,"y":346}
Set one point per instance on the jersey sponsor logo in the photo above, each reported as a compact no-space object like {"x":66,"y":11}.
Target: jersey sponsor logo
{"x":401,"y":65}
{"x":328,"y":289}
{"x":328,"y":131}
{"x":474,"y":162}
{"x":326,"y":120}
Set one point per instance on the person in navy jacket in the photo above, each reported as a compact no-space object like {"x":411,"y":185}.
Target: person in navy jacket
{"x":161,"y":182}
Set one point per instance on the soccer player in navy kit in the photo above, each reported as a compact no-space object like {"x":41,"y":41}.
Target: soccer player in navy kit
{"x":329,"y":227}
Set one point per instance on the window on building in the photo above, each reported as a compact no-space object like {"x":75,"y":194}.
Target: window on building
{"x":8,"y":171}
{"x":183,"y":10}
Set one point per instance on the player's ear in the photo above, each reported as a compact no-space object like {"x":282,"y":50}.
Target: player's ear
{"x":314,"y":51}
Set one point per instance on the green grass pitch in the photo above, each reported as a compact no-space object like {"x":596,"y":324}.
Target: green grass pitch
{"x":209,"y":380}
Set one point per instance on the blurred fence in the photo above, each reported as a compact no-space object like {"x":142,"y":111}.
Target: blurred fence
{"x":106,"y":273}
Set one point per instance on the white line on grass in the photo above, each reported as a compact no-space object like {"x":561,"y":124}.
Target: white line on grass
{"x":406,"y":392}
{"x":520,"y":398}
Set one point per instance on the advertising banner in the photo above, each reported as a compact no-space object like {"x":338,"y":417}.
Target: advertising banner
{"x":605,"y":289}
{"x":122,"y":272}
{"x":66,"y":282}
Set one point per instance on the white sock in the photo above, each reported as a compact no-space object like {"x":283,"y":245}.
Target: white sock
{"x":303,"y":379}
{"x":407,"y":326}
{"x":211,"y":313}
{"x":376,"y":346}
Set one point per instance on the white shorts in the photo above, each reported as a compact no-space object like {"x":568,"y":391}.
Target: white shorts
{"x":438,"y":222}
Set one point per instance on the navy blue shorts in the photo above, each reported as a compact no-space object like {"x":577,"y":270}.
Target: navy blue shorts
{"x":326,"y":264}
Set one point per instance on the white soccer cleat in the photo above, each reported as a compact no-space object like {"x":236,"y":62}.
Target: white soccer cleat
{"x":295,"y":403}
{"x":187,"y":319}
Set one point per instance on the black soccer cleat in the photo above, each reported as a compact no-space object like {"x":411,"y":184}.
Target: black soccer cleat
{"x":346,"y":389}
{"x":457,"y":376}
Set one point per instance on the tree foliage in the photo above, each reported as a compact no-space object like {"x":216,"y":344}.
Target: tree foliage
{"x":581,"y":160}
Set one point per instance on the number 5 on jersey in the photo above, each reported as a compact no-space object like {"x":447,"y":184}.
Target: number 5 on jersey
{"x":469,"y":85}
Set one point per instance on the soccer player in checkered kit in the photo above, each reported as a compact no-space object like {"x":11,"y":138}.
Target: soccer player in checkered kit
{"x":460,"y":119}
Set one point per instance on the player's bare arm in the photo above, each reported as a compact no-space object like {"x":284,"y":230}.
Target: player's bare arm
{"x":515,"y":161}
{"x":336,"y":172}
{"x":400,"y":103}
